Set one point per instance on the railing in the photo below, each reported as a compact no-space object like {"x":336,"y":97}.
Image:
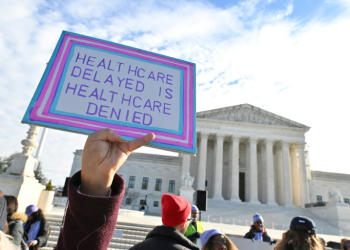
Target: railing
{"x":59,"y":201}
{"x":124,"y":238}
{"x":248,"y":222}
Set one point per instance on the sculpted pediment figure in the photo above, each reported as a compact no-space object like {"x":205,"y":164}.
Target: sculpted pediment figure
{"x":247,"y":113}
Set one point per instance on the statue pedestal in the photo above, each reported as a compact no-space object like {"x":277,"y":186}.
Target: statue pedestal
{"x":26,"y":189}
{"x":19,"y":179}
{"x":187,"y":193}
{"x":338,"y":215}
{"x":335,"y":213}
{"x":22,"y":165}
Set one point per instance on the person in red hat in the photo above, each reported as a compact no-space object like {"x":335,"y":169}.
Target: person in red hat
{"x":176,"y":216}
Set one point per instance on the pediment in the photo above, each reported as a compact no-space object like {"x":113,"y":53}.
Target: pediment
{"x":247,"y":113}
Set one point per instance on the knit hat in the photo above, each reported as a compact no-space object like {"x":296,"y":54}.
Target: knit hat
{"x":175,"y":210}
{"x":31,"y":209}
{"x":207,"y":234}
{"x":194,"y":208}
{"x":257,"y":217}
{"x":3,"y":213}
{"x":303,"y":224}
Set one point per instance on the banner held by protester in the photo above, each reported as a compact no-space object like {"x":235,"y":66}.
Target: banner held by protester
{"x":90,"y":84}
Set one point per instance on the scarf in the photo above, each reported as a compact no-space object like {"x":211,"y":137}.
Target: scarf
{"x":259,"y":236}
{"x":33,"y":230}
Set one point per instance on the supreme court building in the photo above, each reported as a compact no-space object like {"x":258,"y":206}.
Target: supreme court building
{"x":244,"y":154}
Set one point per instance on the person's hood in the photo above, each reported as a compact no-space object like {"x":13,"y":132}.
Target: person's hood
{"x":19,"y":216}
{"x":344,"y":242}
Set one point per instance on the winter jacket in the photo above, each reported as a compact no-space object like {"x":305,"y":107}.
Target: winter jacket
{"x":42,"y":236}
{"x":90,"y":220}
{"x":192,"y":234}
{"x":163,"y":237}
{"x":15,"y":222}
{"x":251,"y":235}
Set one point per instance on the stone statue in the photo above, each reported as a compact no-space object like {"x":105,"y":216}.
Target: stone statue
{"x":187,"y":181}
{"x":335,"y":196}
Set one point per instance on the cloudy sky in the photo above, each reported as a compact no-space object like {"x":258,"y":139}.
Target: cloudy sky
{"x":287,"y":57}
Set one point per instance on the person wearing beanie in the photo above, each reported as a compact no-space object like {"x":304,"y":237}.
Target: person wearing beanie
{"x":300,"y":236}
{"x":257,"y":231}
{"x":215,"y":239}
{"x":195,"y":228}
{"x":176,"y":216}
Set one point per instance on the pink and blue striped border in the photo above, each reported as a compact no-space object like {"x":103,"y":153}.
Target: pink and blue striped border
{"x":41,"y":110}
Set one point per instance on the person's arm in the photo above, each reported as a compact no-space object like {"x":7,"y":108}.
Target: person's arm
{"x":266,"y":237}
{"x":249,"y":235}
{"x":193,"y":237}
{"x":92,"y":212}
{"x":16,"y":231}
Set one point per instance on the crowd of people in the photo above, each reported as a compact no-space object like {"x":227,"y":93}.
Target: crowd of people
{"x":27,"y":231}
{"x":95,"y":194}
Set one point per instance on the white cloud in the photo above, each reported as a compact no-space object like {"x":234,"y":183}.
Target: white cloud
{"x":293,"y":69}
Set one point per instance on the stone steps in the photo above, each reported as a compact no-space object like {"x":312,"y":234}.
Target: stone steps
{"x":126,"y":235}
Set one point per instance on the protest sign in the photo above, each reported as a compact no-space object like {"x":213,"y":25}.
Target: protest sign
{"x":90,"y":84}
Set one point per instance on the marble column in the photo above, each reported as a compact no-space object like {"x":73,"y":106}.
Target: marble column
{"x":303,"y":175}
{"x":234,"y":180}
{"x":295,"y":176}
{"x":270,"y":173}
{"x":202,"y":165}
{"x":279,"y":175}
{"x":253,"y":171}
{"x":247,"y":171}
{"x":263,"y":173}
{"x":286,"y":175}
{"x":219,"y":153}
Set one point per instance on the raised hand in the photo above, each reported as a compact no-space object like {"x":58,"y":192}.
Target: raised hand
{"x":104,"y":153}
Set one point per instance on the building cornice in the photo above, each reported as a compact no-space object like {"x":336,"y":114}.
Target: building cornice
{"x":328,"y":176}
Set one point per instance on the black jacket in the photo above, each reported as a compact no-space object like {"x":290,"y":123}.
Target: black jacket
{"x":42,"y":235}
{"x":251,"y":235}
{"x":163,"y":237}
